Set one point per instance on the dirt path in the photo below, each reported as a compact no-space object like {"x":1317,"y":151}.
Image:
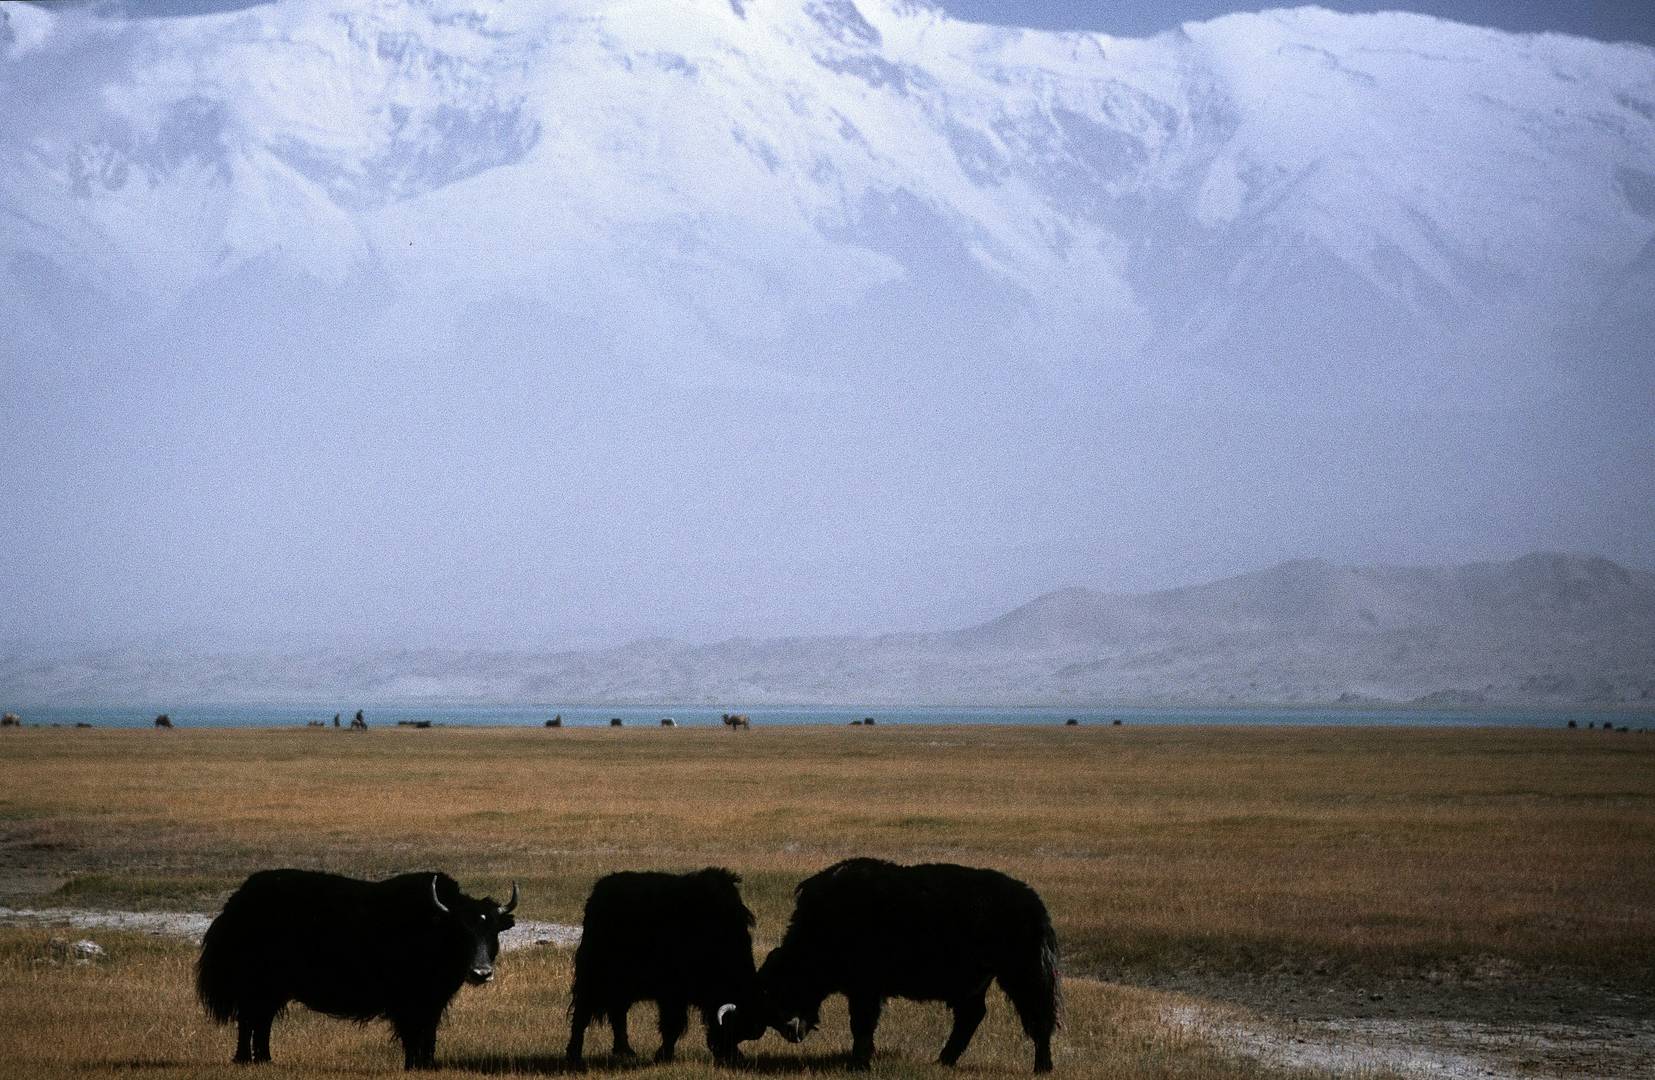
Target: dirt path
{"x":192,"y":925}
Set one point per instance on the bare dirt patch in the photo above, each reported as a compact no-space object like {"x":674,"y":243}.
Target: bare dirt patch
{"x":1616,"y":1048}
{"x":192,"y":925}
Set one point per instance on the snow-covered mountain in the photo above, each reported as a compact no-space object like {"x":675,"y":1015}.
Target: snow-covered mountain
{"x":1208,"y":192}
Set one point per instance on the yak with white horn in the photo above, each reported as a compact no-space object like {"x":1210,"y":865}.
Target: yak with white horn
{"x":679,"y":940}
{"x":359,"y":950}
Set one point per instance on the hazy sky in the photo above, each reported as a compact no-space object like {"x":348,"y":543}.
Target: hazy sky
{"x":371,"y":323}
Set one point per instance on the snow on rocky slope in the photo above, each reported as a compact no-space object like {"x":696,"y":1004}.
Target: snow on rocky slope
{"x":760,"y":159}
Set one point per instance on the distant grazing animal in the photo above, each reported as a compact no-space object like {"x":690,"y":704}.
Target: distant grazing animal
{"x":10,"y":720}
{"x":614,"y":721}
{"x":335,"y":719}
{"x":737,"y":721}
{"x":867,"y":721}
{"x":358,"y":950}
{"x":556,"y":721}
{"x":163,"y":721}
{"x":1071,"y":722}
{"x":679,"y":940}
{"x":872,"y":930}
{"x":358,"y":722}
{"x":82,"y":724}
{"x":667,"y":721}
{"x":1572,"y":725}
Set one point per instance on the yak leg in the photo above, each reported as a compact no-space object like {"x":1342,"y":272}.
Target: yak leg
{"x":864,"y":1018}
{"x":244,"y":1040}
{"x":968,"y":1013}
{"x":674,"y":1018}
{"x":418,"y":1035}
{"x":580,"y":1019}
{"x":253,"y":1031}
{"x":261,"y":1037}
{"x":617,"y":1024}
{"x":428,"y":1046}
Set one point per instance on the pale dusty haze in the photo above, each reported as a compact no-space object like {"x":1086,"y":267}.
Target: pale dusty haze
{"x":565,"y":324}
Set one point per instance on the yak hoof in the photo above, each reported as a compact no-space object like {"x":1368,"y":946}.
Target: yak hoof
{"x":663,"y":1056}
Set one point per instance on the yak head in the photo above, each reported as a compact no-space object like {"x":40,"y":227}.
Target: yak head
{"x":473,"y":925}
{"x":734,"y":1022}
{"x":791,"y":1003}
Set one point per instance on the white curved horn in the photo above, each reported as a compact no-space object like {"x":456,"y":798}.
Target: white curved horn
{"x":440,"y":905}
{"x":512,"y":903}
{"x":723,"y":1010}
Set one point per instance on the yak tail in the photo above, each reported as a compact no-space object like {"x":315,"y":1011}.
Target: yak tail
{"x":215,"y":975}
{"x":1051,"y":984}
{"x":1032,"y":983}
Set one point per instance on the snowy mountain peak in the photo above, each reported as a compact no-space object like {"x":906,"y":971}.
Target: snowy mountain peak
{"x":1284,"y":184}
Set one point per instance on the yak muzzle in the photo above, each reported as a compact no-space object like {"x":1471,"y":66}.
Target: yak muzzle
{"x":794,"y":1030}
{"x":477,"y":976}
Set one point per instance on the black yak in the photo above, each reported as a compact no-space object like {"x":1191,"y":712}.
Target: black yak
{"x":677,"y":940}
{"x":872,"y":930}
{"x":357,"y":950}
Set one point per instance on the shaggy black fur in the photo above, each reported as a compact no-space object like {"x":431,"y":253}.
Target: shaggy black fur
{"x":873,"y":930}
{"x":679,"y":940}
{"x":357,"y":950}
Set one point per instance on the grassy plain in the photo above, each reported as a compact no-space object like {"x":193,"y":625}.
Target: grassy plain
{"x":1293,"y":870}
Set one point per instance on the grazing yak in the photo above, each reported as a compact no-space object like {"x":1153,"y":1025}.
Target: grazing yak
{"x":872,"y":930}
{"x":357,"y":950}
{"x":677,"y":940}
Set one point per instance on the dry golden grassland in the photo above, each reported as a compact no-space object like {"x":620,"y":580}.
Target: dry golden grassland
{"x":1290,"y":870}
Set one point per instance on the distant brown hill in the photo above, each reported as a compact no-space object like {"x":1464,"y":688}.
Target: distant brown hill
{"x":1545,"y":629}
